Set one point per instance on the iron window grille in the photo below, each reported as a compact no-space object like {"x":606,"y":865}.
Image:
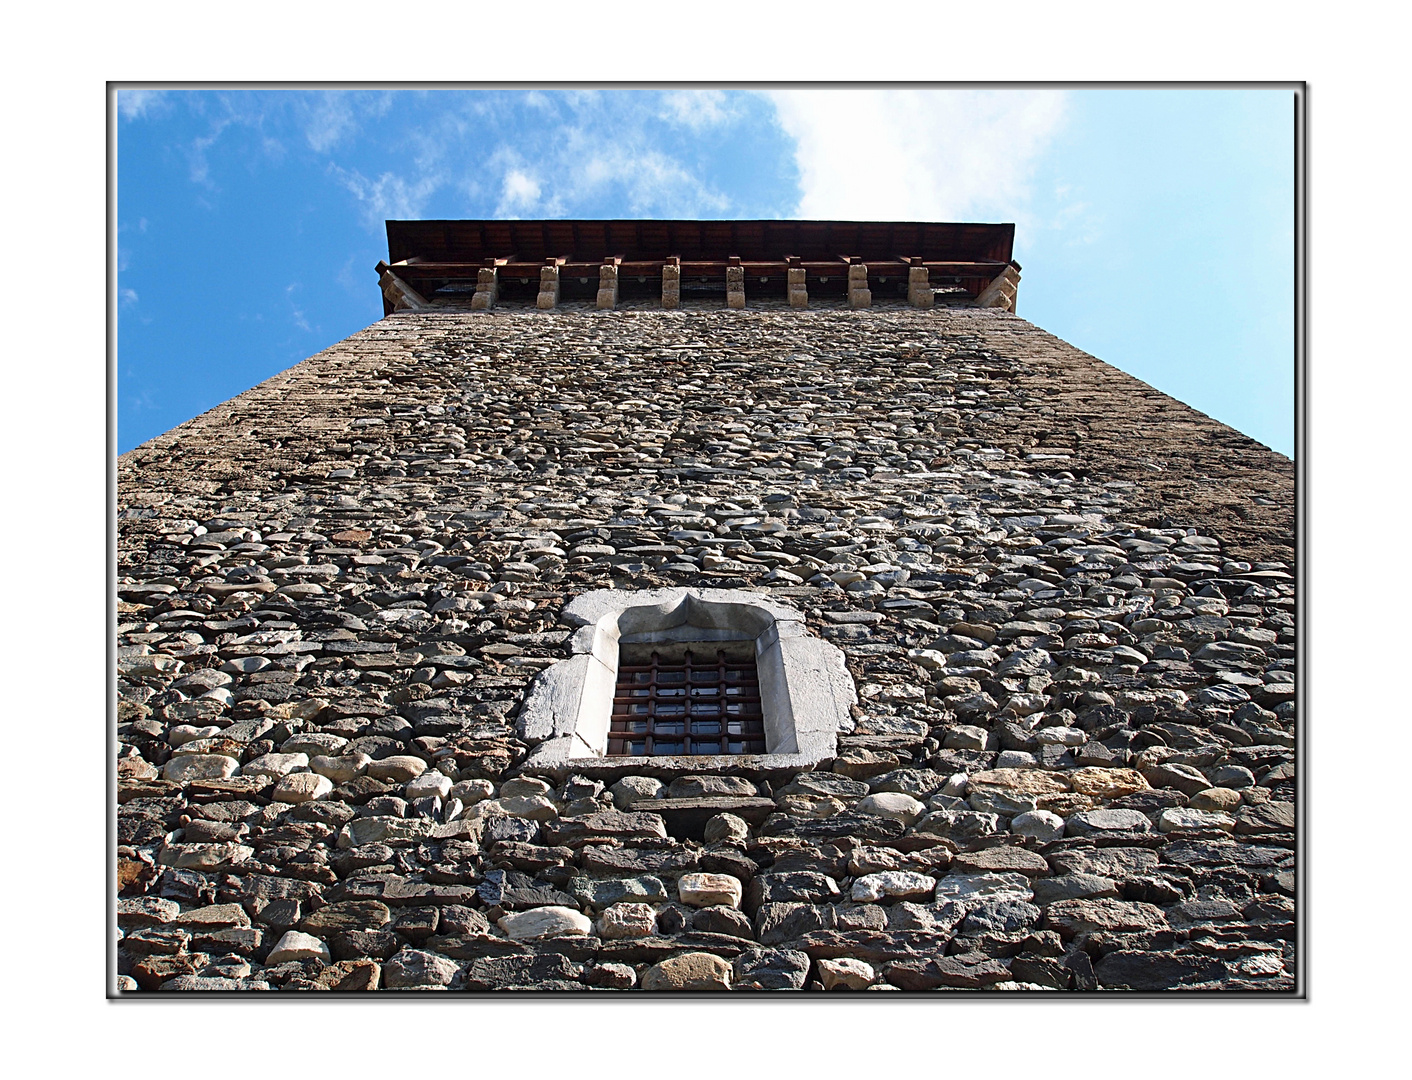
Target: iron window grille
{"x":698,"y":706}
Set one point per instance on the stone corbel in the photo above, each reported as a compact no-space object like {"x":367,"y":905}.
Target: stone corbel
{"x":919,"y":286}
{"x":859,"y":295}
{"x":735,"y":283}
{"x":400,"y":295}
{"x":548,"y":298}
{"x":671,"y":283}
{"x":1002,"y":290}
{"x":487,"y":285}
{"x":608,"y":284}
{"x":795,"y":286}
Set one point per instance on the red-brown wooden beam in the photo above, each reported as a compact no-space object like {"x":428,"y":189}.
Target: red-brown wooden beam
{"x":423,"y":271}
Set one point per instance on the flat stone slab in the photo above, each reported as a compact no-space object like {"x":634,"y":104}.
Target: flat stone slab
{"x":1001,"y":860}
{"x":873,"y":946}
{"x":687,"y":817}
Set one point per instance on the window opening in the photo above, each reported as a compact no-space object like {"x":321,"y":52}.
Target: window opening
{"x":702,"y":705}
{"x":755,"y":684}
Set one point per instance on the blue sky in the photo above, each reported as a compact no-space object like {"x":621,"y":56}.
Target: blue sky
{"x":1155,"y":226}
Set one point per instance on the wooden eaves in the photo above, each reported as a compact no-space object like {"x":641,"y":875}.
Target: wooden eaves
{"x":430,"y":254}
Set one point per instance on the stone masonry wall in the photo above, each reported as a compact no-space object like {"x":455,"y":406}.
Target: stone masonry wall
{"x":1066,"y":599}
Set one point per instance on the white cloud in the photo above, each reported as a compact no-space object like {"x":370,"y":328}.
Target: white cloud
{"x":198,"y":166}
{"x":519,"y":192}
{"x":325,"y":120}
{"x":608,"y":150}
{"x":652,"y":182}
{"x":389,"y":196}
{"x":921,"y":155}
{"x":329,"y":120}
{"x":232,"y":111}
{"x":125,"y":253}
{"x":127,"y":297}
{"x":296,"y":313}
{"x":696,"y":109}
{"x":135,"y":104}
{"x":332,"y":116}
{"x":541,"y":153}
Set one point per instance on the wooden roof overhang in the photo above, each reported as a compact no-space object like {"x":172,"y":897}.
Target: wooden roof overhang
{"x":431,"y":254}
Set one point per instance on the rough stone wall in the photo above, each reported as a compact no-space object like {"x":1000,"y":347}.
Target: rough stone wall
{"x":1066,"y":599}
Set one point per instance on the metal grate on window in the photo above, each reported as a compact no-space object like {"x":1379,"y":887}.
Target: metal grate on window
{"x":700,"y":706}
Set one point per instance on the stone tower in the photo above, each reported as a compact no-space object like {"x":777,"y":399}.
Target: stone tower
{"x":701,"y":606}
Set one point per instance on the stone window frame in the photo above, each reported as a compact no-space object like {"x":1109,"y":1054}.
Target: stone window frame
{"x":807,"y":693}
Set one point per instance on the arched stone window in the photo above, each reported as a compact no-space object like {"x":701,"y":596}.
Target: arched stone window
{"x":742,"y":638}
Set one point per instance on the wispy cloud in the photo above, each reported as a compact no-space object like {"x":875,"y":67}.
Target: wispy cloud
{"x":127,"y":297}
{"x":274,"y":121}
{"x":142,"y":399}
{"x":606,"y":149}
{"x":520,"y":188}
{"x":259,"y":114}
{"x":334,"y":116}
{"x":388,"y":196}
{"x":918,"y":154}
{"x":697,"y":109}
{"x":296,"y":313}
{"x":124,"y":251}
{"x":652,"y":180}
{"x":509,"y":153}
{"x":330,"y":119}
{"x":198,"y":164}
{"x":135,"y":104}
